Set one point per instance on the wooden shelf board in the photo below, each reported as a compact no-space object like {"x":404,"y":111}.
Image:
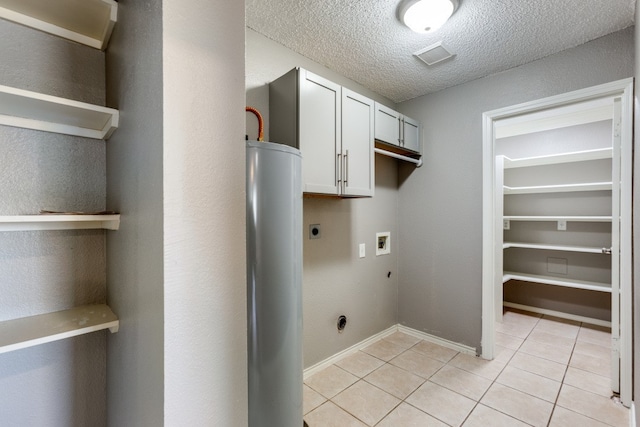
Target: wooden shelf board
{"x":558,"y":218}
{"x":89,"y":22}
{"x":560,"y":188}
{"x":58,"y":222}
{"x":34,"y":330}
{"x":572,"y":157}
{"x":32,"y":110}
{"x":556,"y":281}
{"x":582,"y":249}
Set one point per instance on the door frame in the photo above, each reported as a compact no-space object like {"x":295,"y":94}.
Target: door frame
{"x":618,"y":89}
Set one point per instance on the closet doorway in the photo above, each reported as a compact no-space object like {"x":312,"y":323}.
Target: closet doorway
{"x":557,"y":175}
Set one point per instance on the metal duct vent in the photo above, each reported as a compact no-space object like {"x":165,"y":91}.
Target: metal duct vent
{"x":433,"y":54}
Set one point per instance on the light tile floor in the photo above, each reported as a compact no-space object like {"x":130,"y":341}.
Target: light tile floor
{"x":548,"y":372}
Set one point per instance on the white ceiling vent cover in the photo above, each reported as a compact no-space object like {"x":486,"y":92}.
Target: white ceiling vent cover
{"x":433,"y":54}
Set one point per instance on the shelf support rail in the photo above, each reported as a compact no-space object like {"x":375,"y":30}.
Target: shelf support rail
{"x":418,"y":162}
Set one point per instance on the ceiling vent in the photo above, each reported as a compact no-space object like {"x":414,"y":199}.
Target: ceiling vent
{"x":433,"y":54}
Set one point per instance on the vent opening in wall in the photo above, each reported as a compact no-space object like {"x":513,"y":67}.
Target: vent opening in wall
{"x":342,"y":323}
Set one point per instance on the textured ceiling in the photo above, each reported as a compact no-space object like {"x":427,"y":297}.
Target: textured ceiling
{"x":363,"y":40}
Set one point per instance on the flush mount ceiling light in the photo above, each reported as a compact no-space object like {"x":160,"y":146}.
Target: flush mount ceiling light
{"x":424,"y":16}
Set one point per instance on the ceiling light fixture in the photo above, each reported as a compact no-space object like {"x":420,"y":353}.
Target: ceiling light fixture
{"x":424,"y":16}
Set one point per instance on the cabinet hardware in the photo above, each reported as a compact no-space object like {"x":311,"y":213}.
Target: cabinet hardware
{"x":606,"y":251}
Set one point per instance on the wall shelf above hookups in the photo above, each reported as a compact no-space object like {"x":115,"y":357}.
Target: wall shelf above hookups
{"x":89,"y":22}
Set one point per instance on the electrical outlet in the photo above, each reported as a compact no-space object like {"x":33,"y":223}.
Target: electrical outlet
{"x":362,"y":250}
{"x":506,"y":224}
{"x":562,"y":225}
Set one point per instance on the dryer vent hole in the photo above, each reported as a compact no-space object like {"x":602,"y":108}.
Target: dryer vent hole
{"x":342,"y":323}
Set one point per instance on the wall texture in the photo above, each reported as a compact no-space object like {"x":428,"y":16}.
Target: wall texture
{"x":205,"y":342}
{"x":440,"y":204}
{"x":335,"y":280}
{"x":636,"y":223}
{"x":61,"y":383}
{"x":135,"y":387}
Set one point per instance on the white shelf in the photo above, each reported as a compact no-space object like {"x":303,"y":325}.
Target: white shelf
{"x":34,"y":330}
{"x":576,"y":156}
{"x":559,"y":218}
{"x":560,"y":188}
{"x":89,"y":22}
{"x":583,"y":249}
{"x":555,"y":281}
{"x":32,"y":110}
{"x":58,"y":222}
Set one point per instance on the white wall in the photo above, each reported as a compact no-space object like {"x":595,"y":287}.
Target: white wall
{"x":205,"y":341}
{"x":636,"y":224}
{"x":440,"y":204}
{"x":335,"y":280}
{"x":60,"y":383}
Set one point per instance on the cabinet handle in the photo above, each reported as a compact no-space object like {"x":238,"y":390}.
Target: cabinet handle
{"x":399,"y":131}
{"x":402,"y":132}
{"x":338,"y":180}
{"x":346,"y":168}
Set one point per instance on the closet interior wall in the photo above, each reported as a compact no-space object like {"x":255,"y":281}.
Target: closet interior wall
{"x":583,"y":266}
{"x":59,"y":383}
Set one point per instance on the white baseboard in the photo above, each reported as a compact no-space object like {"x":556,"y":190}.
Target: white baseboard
{"x":559,"y":314}
{"x":632,"y":415}
{"x":349,"y":351}
{"x":437,"y":340}
{"x":362,"y":344}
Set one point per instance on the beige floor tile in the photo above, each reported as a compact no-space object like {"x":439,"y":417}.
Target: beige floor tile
{"x":417,"y":363}
{"x":331,"y":415}
{"x":556,"y":353}
{"x":489,"y":369}
{"x":563,"y":417}
{"x":533,"y":384}
{"x":508,"y":341}
{"x":593,"y":406}
{"x":513,"y":315}
{"x":394,"y":380}
{"x":311,"y":399}
{"x":483,"y":416}
{"x":550,"y":339}
{"x":503,"y":355}
{"x":462,"y":382}
{"x":384,"y":350}
{"x":366,"y":402}
{"x":434,"y":351}
{"x":330,"y":381}
{"x":594,"y":350}
{"x":537,"y":365}
{"x":588,"y":381}
{"x":595,"y":334}
{"x":441,"y":403}
{"x":520,"y":330}
{"x":403,"y":340}
{"x":560,"y":327}
{"x":408,"y":416}
{"x":360,"y":364}
{"x":592,"y":364}
{"x":519,"y":405}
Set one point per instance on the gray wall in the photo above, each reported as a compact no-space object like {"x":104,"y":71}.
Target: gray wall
{"x":61,"y":383}
{"x":135,"y":252}
{"x":440,"y":204}
{"x":176,"y":172}
{"x":335,"y":280}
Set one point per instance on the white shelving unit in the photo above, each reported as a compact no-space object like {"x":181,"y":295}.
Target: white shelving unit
{"x":568,"y":280}
{"x":89,"y":22}
{"x":32,"y":110}
{"x":58,"y":222}
{"x":26,"y":332}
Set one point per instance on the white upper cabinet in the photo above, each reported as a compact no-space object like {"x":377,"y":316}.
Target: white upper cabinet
{"x":331,"y":126}
{"x":397,"y":130}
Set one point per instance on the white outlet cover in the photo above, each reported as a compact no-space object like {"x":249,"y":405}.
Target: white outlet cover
{"x":383,"y":243}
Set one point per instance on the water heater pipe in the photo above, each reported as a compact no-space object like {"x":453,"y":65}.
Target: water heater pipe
{"x":260,"y":122}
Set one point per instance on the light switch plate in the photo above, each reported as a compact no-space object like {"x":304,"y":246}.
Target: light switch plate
{"x":362,"y":250}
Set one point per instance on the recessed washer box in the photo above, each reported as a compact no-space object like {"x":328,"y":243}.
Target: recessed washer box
{"x":383,"y":243}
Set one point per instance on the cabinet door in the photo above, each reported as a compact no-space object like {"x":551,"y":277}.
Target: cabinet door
{"x":319,"y":119}
{"x":387,"y":125}
{"x":411,"y":134}
{"x":357,"y":144}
